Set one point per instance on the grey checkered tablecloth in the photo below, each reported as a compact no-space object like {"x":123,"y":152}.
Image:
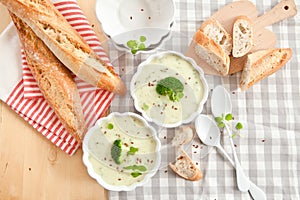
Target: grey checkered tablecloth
{"x":269,"y":149}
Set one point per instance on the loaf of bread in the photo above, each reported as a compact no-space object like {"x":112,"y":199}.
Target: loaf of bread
{"x":185,"y":167}
{"x":212,"y":53}
{"x":54,"y":80}
{"x":65,"y":43}
{"x":263,"y":63}
{"x":215,"y":31}
{"x":242,"y":36}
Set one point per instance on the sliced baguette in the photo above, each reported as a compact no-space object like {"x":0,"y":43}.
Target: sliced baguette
{"x":185,"y":167}
{"x":65,"y":43}
{"x":214,"y":30}
{"x":212,"y":53}
{"x":242,"y":36}
{"x":263,"y":63}
{"x":54,"y":80}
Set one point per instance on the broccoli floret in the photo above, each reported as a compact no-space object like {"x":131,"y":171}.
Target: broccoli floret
{"x":116,"y":151}
{"x":171,"y":87}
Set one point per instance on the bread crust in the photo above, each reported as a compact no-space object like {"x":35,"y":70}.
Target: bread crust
{"x":256,"y":68}
{"x":211,"y":46}
{"x":54,"y":80}
{"x":183,"y":156}
{"x":224,"y":42}
{"x":65,"y":43}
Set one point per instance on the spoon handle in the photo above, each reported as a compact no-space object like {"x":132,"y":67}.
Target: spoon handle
{"x":242,"y":180}
{"x":255,"y":192}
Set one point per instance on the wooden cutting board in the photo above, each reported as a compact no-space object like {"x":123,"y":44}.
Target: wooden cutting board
{"x":263,"y":38}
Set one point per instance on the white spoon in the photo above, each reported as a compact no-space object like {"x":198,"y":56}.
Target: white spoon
{"x":209,"y":134}
{"x":221,"y":104}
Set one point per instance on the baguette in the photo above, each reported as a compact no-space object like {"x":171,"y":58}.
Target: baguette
{"x":212,"y":53}
{"x":65,"y":43}
{"x":242,"y":36}
{"x":214,"y":30}
{"x":54,"y":80}
{"x":263,"y":63}
{"x":185,"y":167}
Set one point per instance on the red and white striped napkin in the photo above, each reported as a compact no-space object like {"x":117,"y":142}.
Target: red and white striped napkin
{"x":26,"y":99}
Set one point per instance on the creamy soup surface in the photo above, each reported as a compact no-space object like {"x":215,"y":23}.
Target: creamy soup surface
{"x":160,"y":108}
{"x":133,"y":133}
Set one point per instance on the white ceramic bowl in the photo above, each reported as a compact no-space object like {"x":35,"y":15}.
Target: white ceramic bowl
{"x":90,"y":139}
{"x":124,"y":20}
{"x":159,"y":109}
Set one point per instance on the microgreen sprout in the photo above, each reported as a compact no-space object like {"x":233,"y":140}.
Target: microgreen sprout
{"x":135,"y":174}
{"x":110,"y":126}
{"x":225,"y":119}
{"x":137,"y":170}
{"x":145,"y":107}
{"x":137,"y":45}
{"x":132,"y":151}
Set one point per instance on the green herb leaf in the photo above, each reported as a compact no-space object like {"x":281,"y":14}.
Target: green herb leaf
{"x":221,"y":125}
{"x":132,"y":151}
{"x":135,"y":174}
{"x":228,"y":117}
{"x":140,"y":168}
{"x":145,"y":106}
{"x":132,"y":44}
{"x":239,"y":126}
{"x":218,"y":119}
{"x":233,"y":135}
{"x":133,"y":51}
{"x":142,"y":38}
{"x":116,"y":151}
{"x":141,"y":46}
{"x":110,"y":126}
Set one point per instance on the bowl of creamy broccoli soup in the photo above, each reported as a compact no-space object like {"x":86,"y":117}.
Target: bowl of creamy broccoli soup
{"x":169,"y":89}
{"x":122,"y":151}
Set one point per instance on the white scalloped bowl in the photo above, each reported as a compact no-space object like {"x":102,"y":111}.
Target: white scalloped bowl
{"x":124,"y":20}
{"x":97,"y":146}
{"x":159,"y":109}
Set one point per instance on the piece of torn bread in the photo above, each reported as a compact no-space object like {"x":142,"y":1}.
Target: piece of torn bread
{"x":185,"y":167}
{"x":212,"y":53}
{"x":65,"y":43}
{"x":242,"y":35}
{"x":54,"y":80}
{"x":183,"y":135}
{"x":214,"y":30}
{"x":263,"y":63}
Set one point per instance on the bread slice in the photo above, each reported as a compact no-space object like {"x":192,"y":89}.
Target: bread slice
{"x":183,"y":135}
{"x":263,"y":63}
{"x":214,"y":30}
{"x":185,"y":167}
{"x":54,"y":80}
{"x":65,"y":43}
{"x":242,"y":36}
{"x":212,"y":53}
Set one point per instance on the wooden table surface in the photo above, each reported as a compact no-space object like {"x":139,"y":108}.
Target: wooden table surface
{"x":31,"y":167}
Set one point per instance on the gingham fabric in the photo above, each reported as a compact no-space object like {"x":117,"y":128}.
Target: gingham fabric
{"x":269,"y":149}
